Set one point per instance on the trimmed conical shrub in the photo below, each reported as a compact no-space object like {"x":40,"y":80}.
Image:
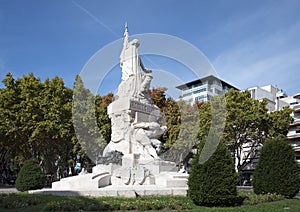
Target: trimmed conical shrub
{"x":30,"y":177}
{"x":277,"y":171}
{"x":213,"y":183}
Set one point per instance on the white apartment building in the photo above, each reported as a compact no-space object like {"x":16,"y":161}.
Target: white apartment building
{"x":204,"y":89}
{"x":270,"y":93}
{"x":277,"y":99}
{"x":294,"y":131}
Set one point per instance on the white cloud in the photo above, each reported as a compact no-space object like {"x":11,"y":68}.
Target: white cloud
{"x":269,"y":58}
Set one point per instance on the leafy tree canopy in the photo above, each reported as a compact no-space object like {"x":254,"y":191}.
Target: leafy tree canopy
{"x":247,"y":123}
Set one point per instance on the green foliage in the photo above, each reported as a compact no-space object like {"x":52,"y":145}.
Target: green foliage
{"x":180,"y":151}
{"x":277,"y":171}
{"x":171,"y":116}
{"x":247,"y":123}
{"x":35,"y":202}
{"x":30,"y":176}
{"x":181,"y":120}
{"x":213,"y":183}
{"x":35,"y":115}
{"x":36,"y":122}
{"x":103,"y":121}
{"x":253,"y":199}
{"x":55,"y":203}
{"x":154,"y":203}
{"x":15,"y":201}
{"x":85,"y":121}
{"x":71,"y":205}
{"x":279,"y":122}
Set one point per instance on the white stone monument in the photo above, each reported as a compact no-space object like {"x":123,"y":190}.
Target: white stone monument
{"x":134,"y":167}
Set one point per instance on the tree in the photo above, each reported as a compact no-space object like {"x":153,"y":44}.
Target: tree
{"x":103,"y":121}
{"x":30,"y":176}
{"x":56,"y":128}
{"x":10,"y":147}
{"x":248,"y":124}
{"x":36,"y":120}
{"x":181,"y":120}
{"x":19,"y":113}
{"x":170,"y":116}
{"x":91,"y":142}
{"x":181,"y":149}
{"x":213,"y":182}
{"x":277,"y":171}
{"x":279,"y":122}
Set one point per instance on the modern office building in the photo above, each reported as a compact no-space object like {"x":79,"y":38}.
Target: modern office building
{"x":204,"y":89}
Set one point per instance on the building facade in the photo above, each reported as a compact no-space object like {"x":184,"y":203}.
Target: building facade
{"x":204,"y":89}
{"x":294,"y":130}
{"x":277,"y":99}
{"x":271,"y":94}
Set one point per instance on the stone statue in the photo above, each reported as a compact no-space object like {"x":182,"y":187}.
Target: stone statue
{"x":134,"y":118}
{"x":134,"y":83}
{"x":131,"y":157}
{"x":146,"y":134}
{"x":135,"y":126}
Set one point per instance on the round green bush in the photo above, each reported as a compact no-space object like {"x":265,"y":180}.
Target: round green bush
{"x":277,"y":171}
{"x":213,"y":183}
{"x":30,"y":177}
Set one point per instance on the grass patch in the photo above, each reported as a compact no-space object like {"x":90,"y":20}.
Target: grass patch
{"x":150,"y":203}
{"x":35,"y":202}
{"x":250,"y":198}
{"x":20,"y":200}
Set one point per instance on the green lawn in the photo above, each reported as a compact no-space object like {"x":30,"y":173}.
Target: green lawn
{"x":32,"y":202}
{"x":283,"y":205}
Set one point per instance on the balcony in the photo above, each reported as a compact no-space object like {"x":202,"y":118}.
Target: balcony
{"x":293,"y":136}
{"x":295,"y":123}
{"x":297,"y":96}
{"x":296,"y":108}
{"x":296,"y":145}
{"x":194,"y":90}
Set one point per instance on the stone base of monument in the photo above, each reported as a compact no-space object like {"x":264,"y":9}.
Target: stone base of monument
{"x":120,"y":191}
{"x":133,"y":178}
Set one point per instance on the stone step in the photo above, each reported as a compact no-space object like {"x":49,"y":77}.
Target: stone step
{"x":117,"y":191}
{"x":172,"y":179}
{"x":176,"y":183}
{"x":86,"y":181}
{"x":184,"y":176}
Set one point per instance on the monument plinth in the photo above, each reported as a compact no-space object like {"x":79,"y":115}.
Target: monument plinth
{"x":130,"y":160}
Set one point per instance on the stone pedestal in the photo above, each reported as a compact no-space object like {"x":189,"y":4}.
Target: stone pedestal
{"x":124,"y":113}
{"x":135,"y":128}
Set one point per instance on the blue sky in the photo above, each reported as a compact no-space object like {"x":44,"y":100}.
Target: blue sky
{"x":248,"y":42}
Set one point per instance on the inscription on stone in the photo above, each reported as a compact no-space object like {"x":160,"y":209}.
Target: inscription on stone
{"x":137,"y":106}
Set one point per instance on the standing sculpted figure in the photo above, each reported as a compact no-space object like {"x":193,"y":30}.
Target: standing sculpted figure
{"x":135,"y":127}
{"x":134,"y":83}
